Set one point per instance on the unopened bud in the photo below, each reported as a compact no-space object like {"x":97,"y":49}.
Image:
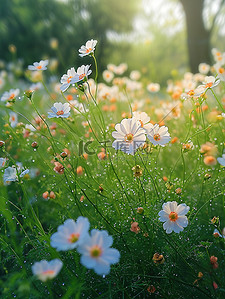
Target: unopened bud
{"x":63,"y":155}
{"x":34,"y":144}
{"x":158,"y":258}
{"x":2,"y":143}
{"x":28,"y":94}
{"x":140,"y":210}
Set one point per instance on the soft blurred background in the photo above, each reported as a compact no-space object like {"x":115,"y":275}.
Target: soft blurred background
{"x":161,"y":38}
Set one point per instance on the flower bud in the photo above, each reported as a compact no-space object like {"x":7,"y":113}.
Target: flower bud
{"x":34,"y":144}
{"x":2,"y":143}
{"x":158,"y":258}
{"x":138,"y":171}
{"x":140,"y":210}
{"x":63,"y":155}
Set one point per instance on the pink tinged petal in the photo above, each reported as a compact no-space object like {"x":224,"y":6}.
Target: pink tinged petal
{"x":117,"y":135}
{"x":166,"y":207}
{"x":182,"y":221}
{"x":173,"y":206}
{"x":182,"y":209}
{"x":163,"y":130}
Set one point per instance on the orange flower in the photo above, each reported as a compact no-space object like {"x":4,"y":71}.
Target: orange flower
{"x":80,"y":170}
{"x":210,"y":161}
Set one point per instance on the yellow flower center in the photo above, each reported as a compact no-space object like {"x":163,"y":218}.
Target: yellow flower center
{"x":81,"y":76}
{"x":208,"y":85}
{"x":156,"y":137}
{"x":221,"y":70}
{"x":48,"y":272}
{"x":129,"y":137}
{"x":88,"y":50}
{"x":74,"y":237}
{"x":96,"y":251}
{"x":69,"y":79}
{"x":142,"y":124}
{"x":12,"y":96}
{"x":39,"y":67}
{"x":173,"y":216}
{"x":191,"y":92}
{"x":60,"y":112}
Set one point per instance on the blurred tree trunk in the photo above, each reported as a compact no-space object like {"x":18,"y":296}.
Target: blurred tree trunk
{"x":198,"y":37}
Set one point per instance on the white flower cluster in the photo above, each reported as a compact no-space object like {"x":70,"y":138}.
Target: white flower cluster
{"x":95,"y":249}
{"x":131,"y":133}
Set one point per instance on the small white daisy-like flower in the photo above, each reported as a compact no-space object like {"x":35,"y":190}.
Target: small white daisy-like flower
{"x":10,"y":175}
{"x":2,"y":162}
{"x":220,"y":69}
{"x":209,"y":82}
{"x":194,"y":93}
{"x":144,"y":120}
{"x":35,"y":86}
{"x":82,"y":73}
{"x":70,"y":234}
{"x":10,"y":95}
{"x":221,"y":160}
{"x":135,"y":75}
{"x":88,"y":48}
{"x":159,"y":135}
{"x":107,"y":75}
{"x":38,"y":66}
{"x":96,"y":252}
{"x":173,"y":216}
{"x":13,"y":119}
{"x":59,"y":110}
{"x":129,"y":136}
{"x":67,"y":78}
{"x":45,"y":270}
{"x":204,"y":68}
{"x":218,"y":56}
{"x":153,"y":87}
{"x":216,"y":233}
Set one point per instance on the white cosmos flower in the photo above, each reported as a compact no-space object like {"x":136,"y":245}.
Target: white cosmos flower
{"x":70,"y":234}
{"x":129,"y":136}
{"x":153,"y":87}
{"x":67,"y":78}
{"x":221,"y":160}
{"x":88,"y":48}
{"x":209,"y":82}
{"x":96,"y":252}
{"x":10,"y":175}
{"x":220,"y":69}
{"x":173,"y":216}
{"x":59,"y":110}
{"x":107,"y":75}
{"x":159,"y":135}
{"x":13,"y":119}
{"x":45,"y":270}
{"x":216,"y":233}
{"x":203,"y":68}
{"x":10,"y":95}
{"x":144,"y":120}
{"x":82,"y":73}
{"x":2,"y":162}
{"x":38,"y":66}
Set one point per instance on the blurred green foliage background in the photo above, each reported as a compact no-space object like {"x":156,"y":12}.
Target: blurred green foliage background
{"x":149,"y":35}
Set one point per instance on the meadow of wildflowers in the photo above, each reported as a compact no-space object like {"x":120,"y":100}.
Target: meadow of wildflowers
{"x":112,"y":189}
